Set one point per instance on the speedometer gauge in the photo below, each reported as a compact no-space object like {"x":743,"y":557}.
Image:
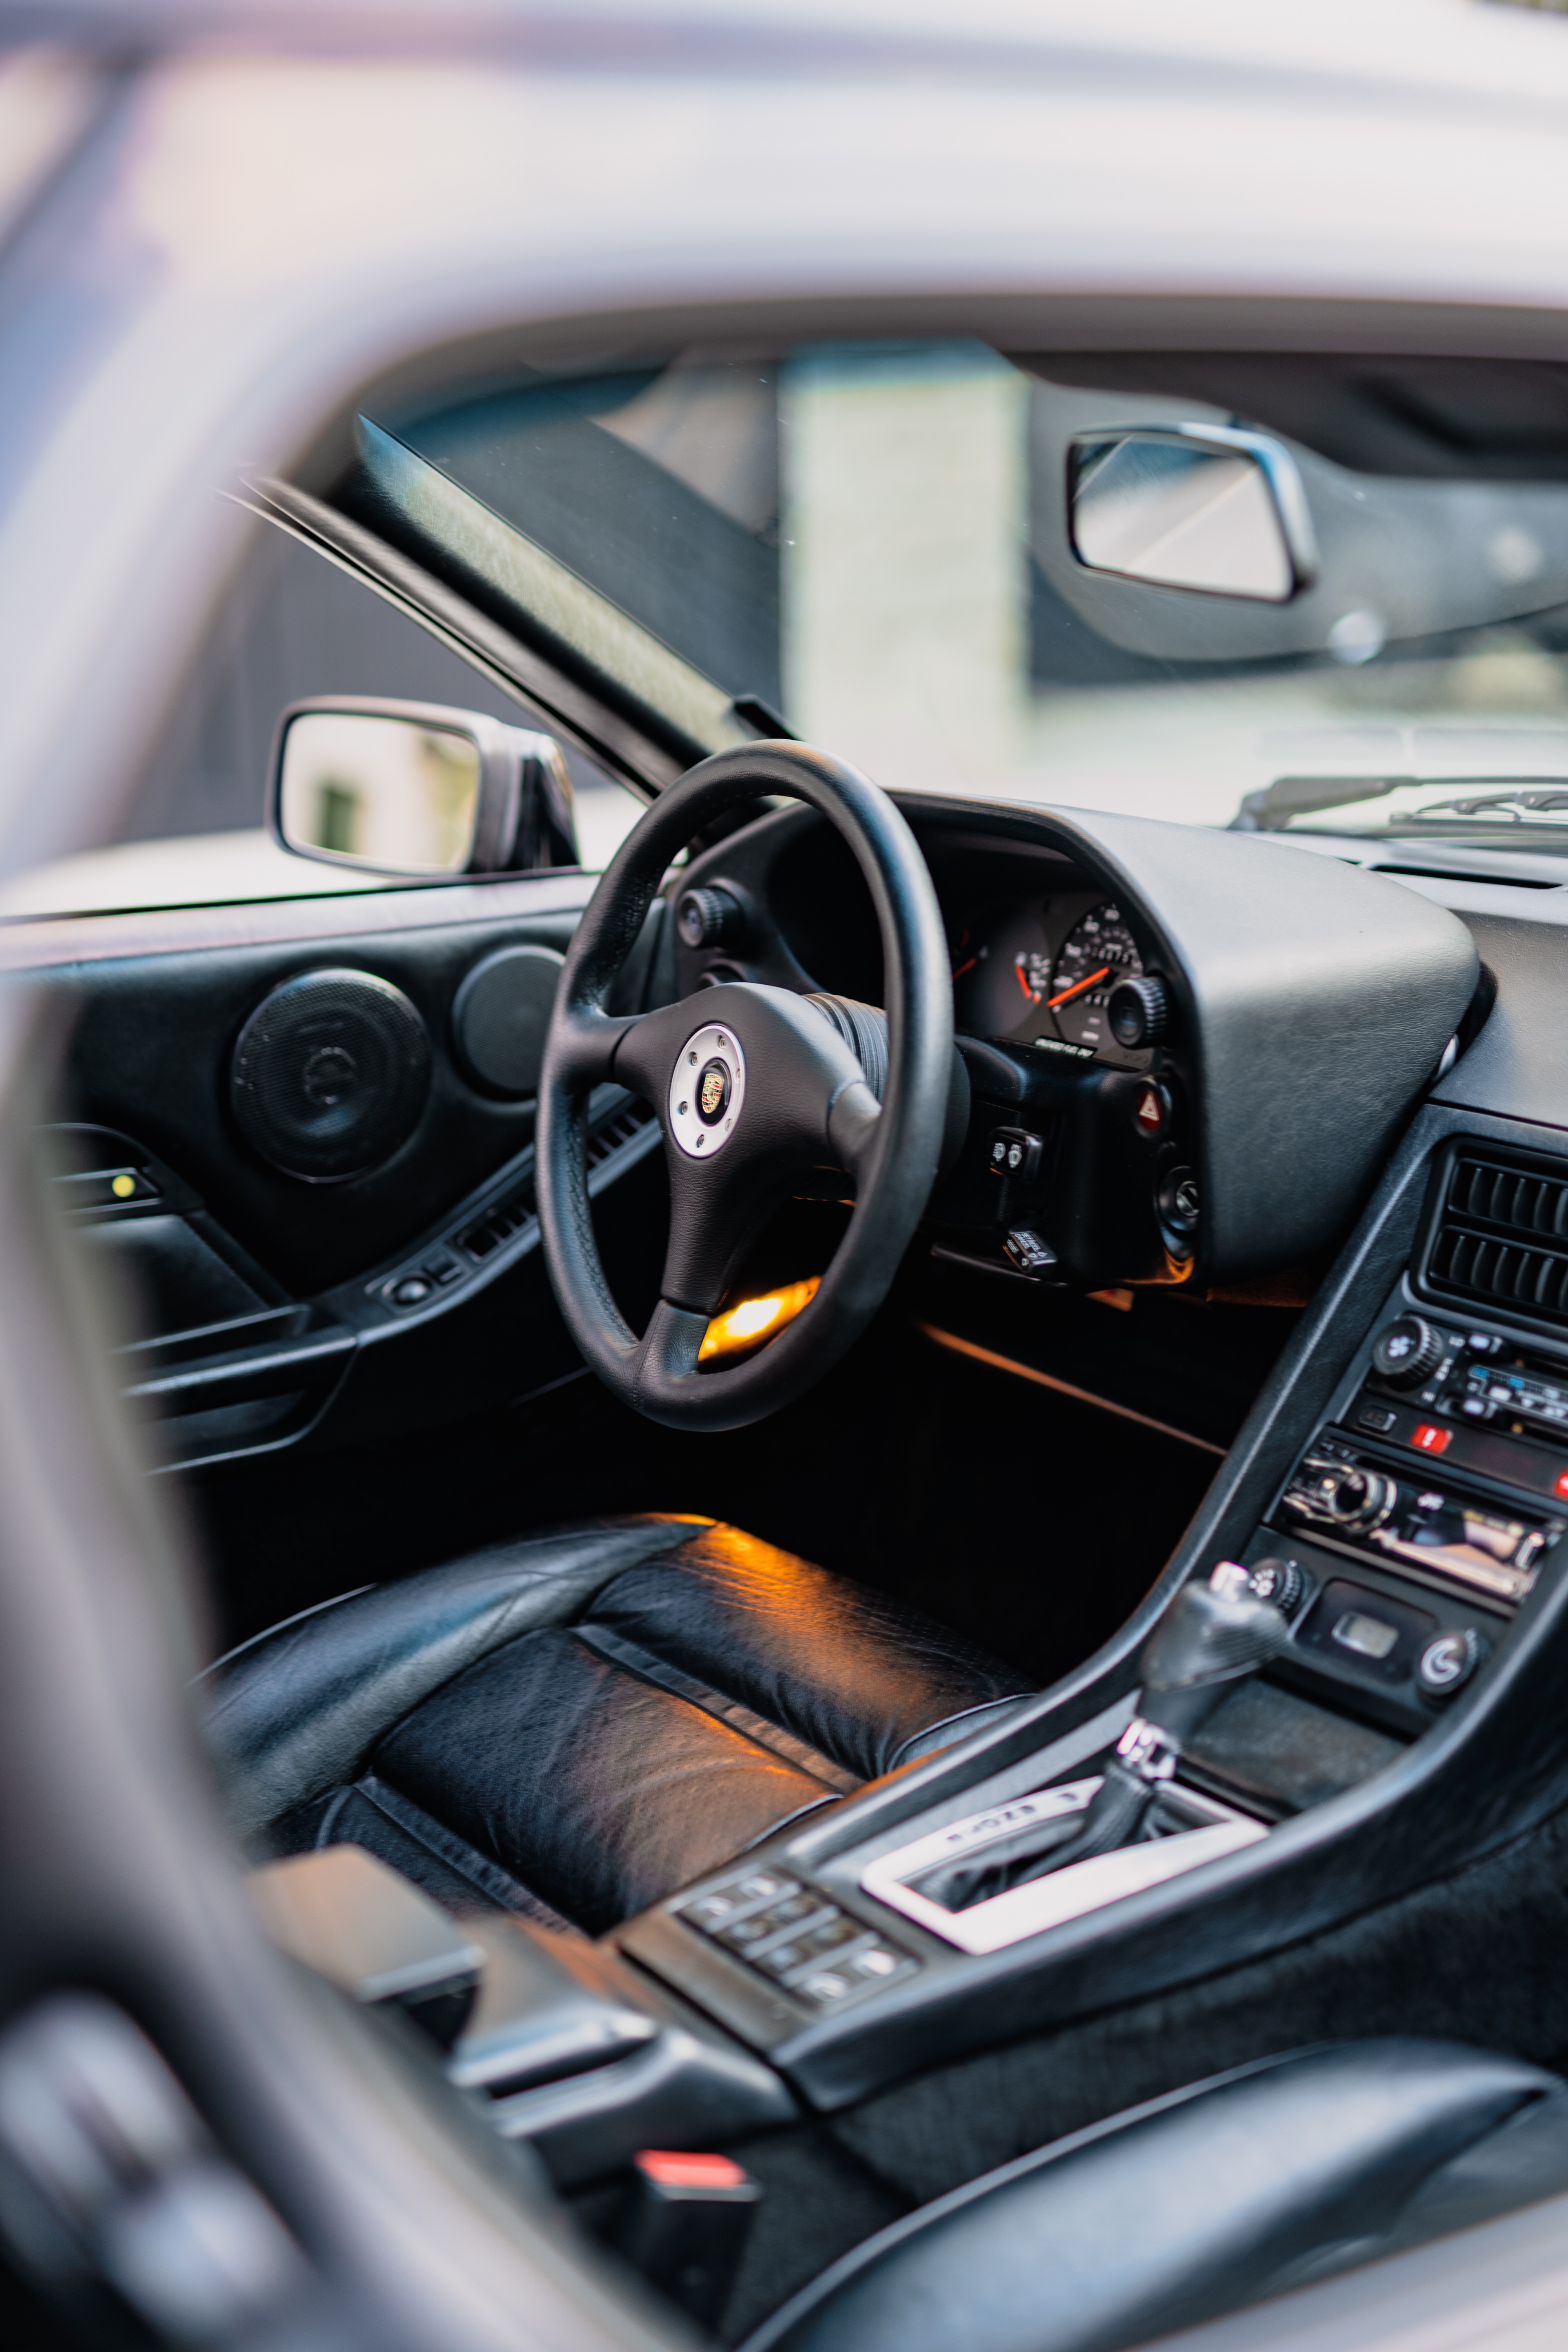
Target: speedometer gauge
{"x":1097,"y":952}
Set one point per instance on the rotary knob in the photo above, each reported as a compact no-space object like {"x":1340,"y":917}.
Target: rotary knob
{"x":1342,"y":1493}
{"x":1406,"y":1353}
{"x":1357,"y":1498}
{"x":1139,"y":1011}
{"x":1281,"y":1582}
{"x":707,"y":916}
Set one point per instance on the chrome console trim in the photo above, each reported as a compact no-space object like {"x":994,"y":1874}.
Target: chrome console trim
{"x":1060,"y":1894}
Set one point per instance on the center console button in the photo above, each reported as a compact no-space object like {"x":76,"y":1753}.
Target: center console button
{"x":825,"y":1988}
{"x":784,"y":1956}
{"x":831,"y":1934}
{"x":875,"y":1964}
{"x":711,"y":1911}
{"x":761,"y":1924}
{"x":762,"y":1885}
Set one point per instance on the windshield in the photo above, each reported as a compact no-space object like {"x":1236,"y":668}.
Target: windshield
{"x":1280,"y":591}
{"x":876,"y":541}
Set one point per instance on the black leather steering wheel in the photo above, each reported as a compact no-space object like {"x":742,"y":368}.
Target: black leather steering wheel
{"x":752,"y":1087}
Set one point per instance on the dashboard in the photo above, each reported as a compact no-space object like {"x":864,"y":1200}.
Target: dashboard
{"x":1232,"y":1126}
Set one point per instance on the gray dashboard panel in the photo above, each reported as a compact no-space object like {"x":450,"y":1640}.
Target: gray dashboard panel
{"x":1319,"y":998}
{"x":1517,"y":1066}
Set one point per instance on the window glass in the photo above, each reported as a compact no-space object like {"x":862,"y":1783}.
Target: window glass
{"x":876,"y":538}
{"x":292,"y":626}
{"x":1263,"y":590}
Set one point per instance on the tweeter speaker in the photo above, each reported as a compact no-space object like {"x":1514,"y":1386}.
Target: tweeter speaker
{"x":500,"y":1016}
{"x":329,"y":1074}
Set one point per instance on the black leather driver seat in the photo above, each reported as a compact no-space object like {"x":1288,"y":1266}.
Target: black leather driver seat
{"x":574,"y":1724}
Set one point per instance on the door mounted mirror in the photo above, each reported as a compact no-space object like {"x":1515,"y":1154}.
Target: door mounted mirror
{"x":414,"y":789}
{"x":1202,"y":506}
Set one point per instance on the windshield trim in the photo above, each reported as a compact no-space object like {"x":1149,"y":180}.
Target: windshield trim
{"x":542,"y":600}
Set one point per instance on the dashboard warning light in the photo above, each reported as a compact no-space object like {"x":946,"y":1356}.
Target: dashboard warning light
{"x":1429,"y":1439}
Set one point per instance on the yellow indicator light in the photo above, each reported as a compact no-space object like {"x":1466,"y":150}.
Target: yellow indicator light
{"x":123,"y":1187}
{"x":743,"y":1326}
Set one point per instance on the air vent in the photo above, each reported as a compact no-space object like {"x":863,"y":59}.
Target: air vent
{"x":508,"y":1217}
{"x":620,"y":1129}
{"x":500,"y":1223}
{"x":1503,"y":1238}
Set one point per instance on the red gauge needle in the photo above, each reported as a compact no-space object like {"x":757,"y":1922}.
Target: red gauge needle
{"x":1077,"y":989}
{"x":967,"y":967}
{"x":1023,"y":984}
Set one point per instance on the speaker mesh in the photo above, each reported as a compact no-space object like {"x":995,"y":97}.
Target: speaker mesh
{"x":329,"y":1074}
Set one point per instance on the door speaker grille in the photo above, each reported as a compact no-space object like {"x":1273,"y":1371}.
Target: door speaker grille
{"x":1502,"y":1238}
{"x":331,"y":1075}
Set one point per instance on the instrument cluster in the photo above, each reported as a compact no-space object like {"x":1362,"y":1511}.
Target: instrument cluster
{"x":1042,"y":973}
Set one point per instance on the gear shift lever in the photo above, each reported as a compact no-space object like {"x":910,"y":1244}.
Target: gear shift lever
{"x":1211,"y":1636}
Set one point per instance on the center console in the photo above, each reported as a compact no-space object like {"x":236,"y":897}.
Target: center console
{"x":1410,"y":1539}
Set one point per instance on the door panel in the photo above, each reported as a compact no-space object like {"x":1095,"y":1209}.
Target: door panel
{"x":260,"y":1310}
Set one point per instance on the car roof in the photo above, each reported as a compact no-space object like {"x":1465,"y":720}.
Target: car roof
{"x":255,"y":210}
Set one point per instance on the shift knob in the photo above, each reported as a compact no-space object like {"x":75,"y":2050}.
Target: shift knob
{"x":1204,"y":1641}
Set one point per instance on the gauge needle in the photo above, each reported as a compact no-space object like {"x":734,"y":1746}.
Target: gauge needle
{"x":967,"y":967}
{"x":1077,"y":989}
{"x":1024,"y":985}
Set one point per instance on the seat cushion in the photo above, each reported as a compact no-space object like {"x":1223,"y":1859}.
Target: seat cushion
{"x":578,"y":1724}
{"x":600,"y":1790}
{"x":1197,"y":2204}
{"x":845,"y":1669}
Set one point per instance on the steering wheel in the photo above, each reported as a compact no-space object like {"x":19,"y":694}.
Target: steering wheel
{"x":752,"y":1087}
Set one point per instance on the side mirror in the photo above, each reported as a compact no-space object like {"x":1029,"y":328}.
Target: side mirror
{"x":1192,"y":506}
{"x":412,"y":788}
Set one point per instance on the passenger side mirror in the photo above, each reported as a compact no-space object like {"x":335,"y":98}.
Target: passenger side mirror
{"x":414,"y":789}
{"x":1192,"y":506}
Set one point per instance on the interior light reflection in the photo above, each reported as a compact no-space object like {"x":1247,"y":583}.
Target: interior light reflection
{"x":742,"y":1326}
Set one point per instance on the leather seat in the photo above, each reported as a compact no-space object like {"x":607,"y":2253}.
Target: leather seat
{"x":573,"y":1726}
{"x":1216,"y":2197}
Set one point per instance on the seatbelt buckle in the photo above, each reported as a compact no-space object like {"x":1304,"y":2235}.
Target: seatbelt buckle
{"x":686,"y":2225}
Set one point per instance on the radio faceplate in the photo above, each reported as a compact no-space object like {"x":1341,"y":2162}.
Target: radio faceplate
{"x":1361,"y":1503}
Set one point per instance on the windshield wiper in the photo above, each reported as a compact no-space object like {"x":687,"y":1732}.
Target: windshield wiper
{"x":1515,"y":807}
{"x":1289,"y":797}
{"x":1272,"y":809}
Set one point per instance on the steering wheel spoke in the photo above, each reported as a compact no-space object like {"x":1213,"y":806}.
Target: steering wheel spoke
{"x":589,"y":1043}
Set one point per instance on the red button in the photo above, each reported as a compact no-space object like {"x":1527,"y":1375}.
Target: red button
{"x":1560,"y":1484}
{"x":1150,"y":1110}
{"x":681,"y":2169}
{"x":1429,"y":1439}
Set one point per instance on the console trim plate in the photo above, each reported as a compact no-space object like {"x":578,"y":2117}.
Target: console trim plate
{"x":1060,"y":1894}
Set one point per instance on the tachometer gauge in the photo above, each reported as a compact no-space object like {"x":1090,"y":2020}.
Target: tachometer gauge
{"x":1097,"y":952}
